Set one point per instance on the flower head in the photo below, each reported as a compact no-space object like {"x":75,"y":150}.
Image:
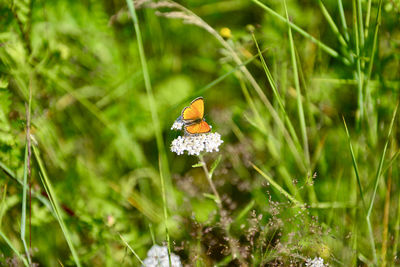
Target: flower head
{"x":195,"y":144}
{"x":157,"y":256}
{"x":316,"y":262}
{"x":178,"y":124}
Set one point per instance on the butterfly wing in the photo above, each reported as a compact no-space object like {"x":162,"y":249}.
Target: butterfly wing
{"x":201,"y":127}
{"x":194,"y":112}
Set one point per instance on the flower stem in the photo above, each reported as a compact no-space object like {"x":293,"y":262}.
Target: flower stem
{"x":209,"y":179}
{"x":224,"y":219}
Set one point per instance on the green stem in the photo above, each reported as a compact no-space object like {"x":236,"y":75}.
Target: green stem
{"x":164,"y":198}
{"x":209,"y":179}
{"x":332,"y":24}
{"x":300,"y":109}
{"x":277,"y":186}
{"x":343,"y":19}
{"x":23,"y":213}
{"x":13,"y":248}
{"x":358,"y":73}
{"x":323,"y":46}
{"x":377,"y":178}
{"x":150,"y":96}
{"x":55,"y":205}
{"x":224,"y":220}
{"x":131,"y":249}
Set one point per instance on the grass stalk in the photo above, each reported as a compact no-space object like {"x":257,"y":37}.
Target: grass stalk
{"x":131,"y":249}
{"x":367,"y":18}
{"x":250,"y":102}
{"x":378,"y":173}
{"x":396,"y":232}
{"x":164,"y":199}
{"x":27,"y":173}
{"x":13,"y":248}
{"x":217,"y":198}
{"x":292,"y":139}
{"x":308,"y":104}
{"x":276,"y":186}
{"x":23,"y":208}
{"x":38,"y":196}
{"x":374,"y":43}
{"x":323,"y":46}
{"x":55,"y":205}
{"x":151,"y":100}
{"x":354,"y":161}
{"x":3,"y":204}
{"x":343,"y":19}
{"x":358,"y":74}
{"x":277,"y":95}
{"x":385,"y":222}
{"x":377,"y":178}
{"x":300,"y":109}
{"x":360,"y":23}
{"x":332,"y":24}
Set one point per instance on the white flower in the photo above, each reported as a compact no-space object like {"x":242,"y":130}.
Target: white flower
{"x":157,"y":256}
{"x":194,"y":144}
{"x":178,"y":124}
{"x":316,"y":262}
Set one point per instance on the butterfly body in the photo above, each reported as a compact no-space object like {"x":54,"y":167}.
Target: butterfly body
{"x":193,"y":118}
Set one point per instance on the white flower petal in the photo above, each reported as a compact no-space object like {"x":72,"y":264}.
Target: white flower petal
{"x":178,"y":124}
{"x":195,"y":144}
{"x":157,"y":256}
{"x":316,"y":262}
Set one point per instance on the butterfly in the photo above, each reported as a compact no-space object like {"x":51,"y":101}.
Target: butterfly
{"x":193,"y":117}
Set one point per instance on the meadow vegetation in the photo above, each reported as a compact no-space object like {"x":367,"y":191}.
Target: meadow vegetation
{"x":303,"y":93}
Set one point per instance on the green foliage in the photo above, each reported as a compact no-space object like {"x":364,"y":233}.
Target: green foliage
{"x":294,"y":183}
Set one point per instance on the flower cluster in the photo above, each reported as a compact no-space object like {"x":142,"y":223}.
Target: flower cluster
{"x":178,"y":124}
{"x":316,"y":262}
{"x":195,"y":144}
{"x":157,"y":256}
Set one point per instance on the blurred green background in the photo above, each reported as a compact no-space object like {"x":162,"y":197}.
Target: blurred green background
{"x":92,"y":126}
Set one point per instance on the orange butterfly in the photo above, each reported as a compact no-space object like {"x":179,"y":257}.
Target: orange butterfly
{"x":193,"y":117}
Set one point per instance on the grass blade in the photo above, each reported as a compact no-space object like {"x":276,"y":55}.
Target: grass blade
{"x":354,"y":161}
{"x":385,"y":220}
{"x":300,"y":109}
{"x":54,"y":203}
{"x":150,"y":96}
{"x":276,"y":186}
{"x":131,"y":249}
{"x":23,"y":208}
{"x":278,"y":97}
{"x":360,"y":23}
{"x":367,"y":18}
{"x":396,"y":231}
{"x":332,"y":24}
{"x":11,"y":174}
{"x":323,"y":46}
{"x":13,"y":248}
{"x":378,"y":175}
{"x":164,"y":200}
{"x":358,"y":74}
{"x":375,"y":42}
{"x":343,"y":19}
